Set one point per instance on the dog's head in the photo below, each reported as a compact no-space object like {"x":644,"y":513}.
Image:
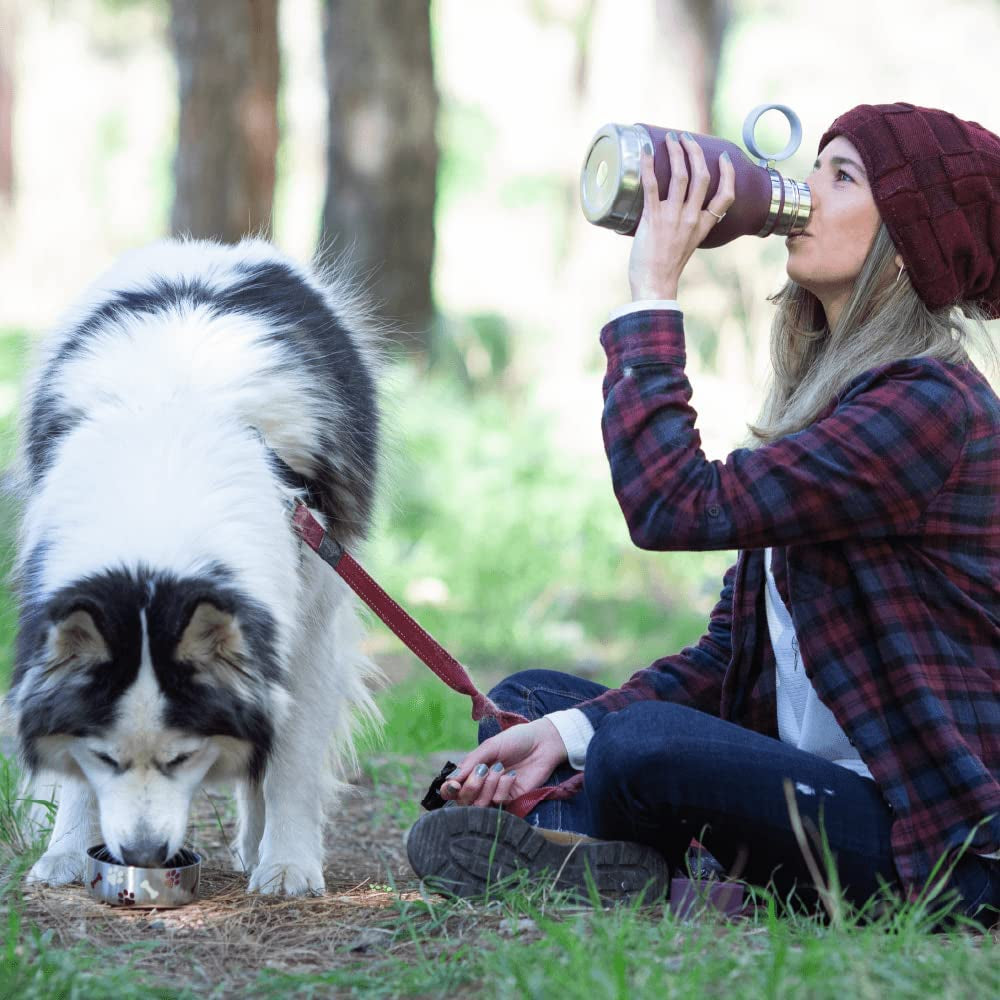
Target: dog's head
{"x":146,"y":684}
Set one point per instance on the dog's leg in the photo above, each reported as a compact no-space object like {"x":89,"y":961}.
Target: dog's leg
{"x":328,"y":681}
{"x":291,"y":849}
{"x":250,"y":806}
{"x":75,"y":829}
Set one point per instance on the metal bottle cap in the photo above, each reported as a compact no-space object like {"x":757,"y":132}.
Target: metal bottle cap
{"x":610,"y":182}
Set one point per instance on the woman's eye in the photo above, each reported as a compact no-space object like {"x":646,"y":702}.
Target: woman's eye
{"x":178,"y":760}
{"x":848,"y":176}
{"x":105,"y":758}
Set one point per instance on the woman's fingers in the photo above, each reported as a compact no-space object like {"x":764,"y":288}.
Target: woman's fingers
{"x":650,"y":187}
{"x":725,"y":194}
{"x":486,"y":753}
{"x":505,"y":787}
{"x":678,"y":175}
{"x":480,"y":787}
{"x":472,"y":785}
{"x":489,"y":786}
{"x":699,"y":181}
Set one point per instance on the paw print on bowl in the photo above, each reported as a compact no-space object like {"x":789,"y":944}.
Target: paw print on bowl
{"x":172,"y":877}
{"x":126,"y":898}
{"x":115,"y":877}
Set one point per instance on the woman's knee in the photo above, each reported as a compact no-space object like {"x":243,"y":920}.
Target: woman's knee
{"x":516,"y":688}
{"x":644,"y":743}
{"x":514,"y":694}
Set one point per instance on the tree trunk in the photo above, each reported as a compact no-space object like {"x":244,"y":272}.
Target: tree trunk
{"x":696,"y":29}
{"x":228,"y":68}
{"x":382,"y":155}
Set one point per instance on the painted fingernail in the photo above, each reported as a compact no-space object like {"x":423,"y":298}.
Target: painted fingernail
{"x":672,"y":136}
{"x":725,"y":156}
{"x":454,"y":787}
{"x":511,"y":774}
{"x":498,"y":766}
{"x":481,"y":769}
{"x":689,"y":137}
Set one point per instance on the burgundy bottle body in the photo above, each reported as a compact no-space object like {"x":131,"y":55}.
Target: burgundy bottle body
{"x":611,"y":188}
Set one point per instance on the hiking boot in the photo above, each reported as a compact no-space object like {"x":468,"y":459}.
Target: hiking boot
{"x":464,"y":850}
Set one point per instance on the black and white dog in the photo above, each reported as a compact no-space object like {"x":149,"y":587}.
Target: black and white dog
{"x":173,"y":630}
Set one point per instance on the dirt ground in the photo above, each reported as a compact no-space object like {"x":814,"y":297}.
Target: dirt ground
{"x":227,"y":937}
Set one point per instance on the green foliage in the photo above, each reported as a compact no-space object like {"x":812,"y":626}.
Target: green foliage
{"x":467,"y":137}
{"x":22,"y":835}
{"x":32,"y":967}
{"x":527,"y":551}
{"x":13,"y":361}
{"x":423,"y":715}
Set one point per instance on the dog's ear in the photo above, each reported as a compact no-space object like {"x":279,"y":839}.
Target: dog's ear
{"x":74,"y":641}
{"x":212,"y":637}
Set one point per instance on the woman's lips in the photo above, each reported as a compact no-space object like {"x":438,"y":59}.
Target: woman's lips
{"x":790,"y":239}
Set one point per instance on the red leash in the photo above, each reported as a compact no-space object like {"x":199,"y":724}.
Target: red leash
{"x":423,"y":645}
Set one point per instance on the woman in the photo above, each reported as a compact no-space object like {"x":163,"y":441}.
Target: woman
{"x":853,"y":658}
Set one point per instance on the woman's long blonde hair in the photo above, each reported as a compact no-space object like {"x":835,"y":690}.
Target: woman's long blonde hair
{"x":884,"y":320}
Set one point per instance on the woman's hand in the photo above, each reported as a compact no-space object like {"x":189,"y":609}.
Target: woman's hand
{"x":671,"y":230}
{"x":507,"y":765}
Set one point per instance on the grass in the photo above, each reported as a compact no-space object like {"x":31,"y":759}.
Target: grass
{"x":524,"y":946}
{"x":526,"y":941}
{"x":522,"y":560}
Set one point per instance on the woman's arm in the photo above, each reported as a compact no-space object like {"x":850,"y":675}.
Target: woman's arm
{"x":870,"y":467}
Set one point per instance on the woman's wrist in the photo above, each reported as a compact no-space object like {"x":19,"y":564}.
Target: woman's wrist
{"x":642,"y":293}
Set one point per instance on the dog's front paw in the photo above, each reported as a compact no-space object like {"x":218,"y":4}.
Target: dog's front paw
{"x":287,"y":879}
{"x":57,"y":868}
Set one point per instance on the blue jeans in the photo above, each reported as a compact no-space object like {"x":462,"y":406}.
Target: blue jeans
{"x":661,"y":774}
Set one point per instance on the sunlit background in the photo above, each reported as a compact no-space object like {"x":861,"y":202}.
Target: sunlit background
{"x":499,"y":528}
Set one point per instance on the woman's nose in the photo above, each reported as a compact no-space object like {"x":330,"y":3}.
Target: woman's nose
{"x":814,"y":183}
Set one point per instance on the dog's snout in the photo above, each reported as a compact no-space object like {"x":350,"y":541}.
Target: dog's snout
{"x":145,"y":854}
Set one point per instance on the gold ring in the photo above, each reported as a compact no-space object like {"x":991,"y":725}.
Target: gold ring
{"x":719,"y":217}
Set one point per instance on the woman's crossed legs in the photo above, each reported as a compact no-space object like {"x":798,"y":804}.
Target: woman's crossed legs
{"x":661,"y":774}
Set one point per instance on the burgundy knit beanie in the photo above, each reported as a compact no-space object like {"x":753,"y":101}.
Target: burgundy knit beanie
{"x":936,"y":181}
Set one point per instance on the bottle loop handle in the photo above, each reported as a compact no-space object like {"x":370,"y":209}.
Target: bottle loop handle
{"x":750,"y":124}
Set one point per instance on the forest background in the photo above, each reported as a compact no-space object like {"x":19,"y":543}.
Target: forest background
{"x":439,"y":146}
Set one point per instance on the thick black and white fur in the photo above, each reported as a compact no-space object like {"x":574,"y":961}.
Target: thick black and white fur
{"x":173,"y":630}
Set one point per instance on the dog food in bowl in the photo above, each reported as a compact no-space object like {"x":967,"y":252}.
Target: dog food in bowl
{"x":176,"y":884}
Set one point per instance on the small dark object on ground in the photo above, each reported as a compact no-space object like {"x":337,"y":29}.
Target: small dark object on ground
{"x":432,"y":800}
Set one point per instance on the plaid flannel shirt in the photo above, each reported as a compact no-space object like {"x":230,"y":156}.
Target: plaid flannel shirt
{"x":884,"y":517}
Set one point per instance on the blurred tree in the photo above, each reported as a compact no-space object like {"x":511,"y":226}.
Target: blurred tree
{"x":382,"y":154}
{"x":695,"y":30}
{"x":7,"y":31}
{"x":228,"y":68}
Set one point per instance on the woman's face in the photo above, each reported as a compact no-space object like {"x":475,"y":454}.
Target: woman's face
{"x":828,"y":257}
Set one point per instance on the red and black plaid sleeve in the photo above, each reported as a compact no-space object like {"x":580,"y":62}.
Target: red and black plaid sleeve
{"x":869,"y":468}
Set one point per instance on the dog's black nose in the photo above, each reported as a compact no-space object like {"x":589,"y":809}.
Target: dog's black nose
{"x":145,"y":854}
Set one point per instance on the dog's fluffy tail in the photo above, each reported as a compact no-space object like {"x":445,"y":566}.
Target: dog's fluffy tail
{"x":361,"y":676}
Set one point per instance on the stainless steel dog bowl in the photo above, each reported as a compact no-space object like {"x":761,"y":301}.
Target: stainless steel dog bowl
{"x":176,"y":884}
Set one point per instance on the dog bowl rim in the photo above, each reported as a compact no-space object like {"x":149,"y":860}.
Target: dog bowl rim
{"x":144,"y":868}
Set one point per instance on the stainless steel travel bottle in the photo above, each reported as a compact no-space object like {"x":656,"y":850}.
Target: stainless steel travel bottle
{"x":766,"y":203}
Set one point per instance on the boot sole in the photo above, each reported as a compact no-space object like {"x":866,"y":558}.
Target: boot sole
{"x":466,"y":850}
